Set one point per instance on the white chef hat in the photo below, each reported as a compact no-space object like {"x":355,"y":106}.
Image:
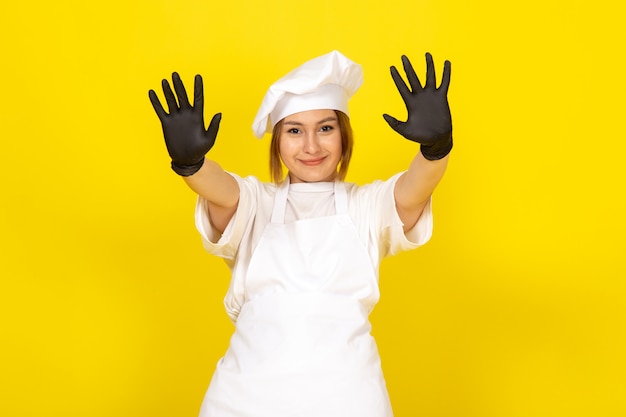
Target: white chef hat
{"x":325,"y":82}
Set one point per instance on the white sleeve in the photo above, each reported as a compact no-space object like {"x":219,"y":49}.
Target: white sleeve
{"x":392,"y":238}
{"x":423,"y":229}
{"x":227,"y":244}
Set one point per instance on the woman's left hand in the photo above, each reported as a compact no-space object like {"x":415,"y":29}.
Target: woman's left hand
{"x":429,"y":121}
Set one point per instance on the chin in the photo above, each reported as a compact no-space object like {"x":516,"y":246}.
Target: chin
{"x":312,"y":178}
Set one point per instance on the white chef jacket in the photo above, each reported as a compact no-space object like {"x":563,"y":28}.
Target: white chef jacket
{"x":371,"y":208}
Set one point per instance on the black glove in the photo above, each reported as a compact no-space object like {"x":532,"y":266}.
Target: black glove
{"x":186,"y":140}
{"x":429,"y":121}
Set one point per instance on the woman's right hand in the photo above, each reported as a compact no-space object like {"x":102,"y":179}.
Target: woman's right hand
{"x":186,"y":139}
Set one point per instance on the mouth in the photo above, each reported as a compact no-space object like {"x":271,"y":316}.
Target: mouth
{"x":312,"y":162}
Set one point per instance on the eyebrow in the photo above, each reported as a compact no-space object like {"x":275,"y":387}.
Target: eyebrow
{"x":327,"y":119}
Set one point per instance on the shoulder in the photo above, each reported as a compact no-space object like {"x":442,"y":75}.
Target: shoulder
{"x":373,"y":190}
{"x":373,"y":204}
{"x":252,"y":186}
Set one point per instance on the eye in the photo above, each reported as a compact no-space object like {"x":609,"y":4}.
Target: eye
{"x":327,"y":128}
{"x":293,"y":131}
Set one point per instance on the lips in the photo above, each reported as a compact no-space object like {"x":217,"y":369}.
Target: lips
{"x":312,"y":162}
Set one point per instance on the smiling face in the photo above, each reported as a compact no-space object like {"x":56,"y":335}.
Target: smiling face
{"x":310,"y":145}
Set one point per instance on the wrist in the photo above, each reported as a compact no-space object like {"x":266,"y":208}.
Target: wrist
{"x":437,"y":150}
{"x":187,"y":170}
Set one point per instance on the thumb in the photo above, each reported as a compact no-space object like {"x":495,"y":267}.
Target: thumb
{"x":393,"y":122}
{"x":214,"y":125}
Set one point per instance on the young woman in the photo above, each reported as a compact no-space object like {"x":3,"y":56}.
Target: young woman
{"x":304,"y":250}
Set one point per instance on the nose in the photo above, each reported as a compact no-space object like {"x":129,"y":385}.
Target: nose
{"x":311,"y":143}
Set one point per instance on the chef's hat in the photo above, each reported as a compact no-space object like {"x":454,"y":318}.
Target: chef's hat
{"x":325,"y":82}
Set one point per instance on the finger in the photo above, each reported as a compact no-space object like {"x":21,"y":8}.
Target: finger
{"x":179,"y":87}
{"x":400,"y":84}
{"x":169,"y":97}
{"x":430,"y":72}
{"x":214,"y":126}
{"x":445,"y":78}
{"x":414,"y":81}
{"x":158,"y":108}
{"x":392,"y":121}
{"x":198,"y":95}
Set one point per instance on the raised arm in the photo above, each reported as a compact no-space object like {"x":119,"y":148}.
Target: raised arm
{"x":429,"y":123}
{"x":188,"y":142}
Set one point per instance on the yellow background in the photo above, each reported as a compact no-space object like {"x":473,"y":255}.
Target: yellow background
{"x":109,"y":305}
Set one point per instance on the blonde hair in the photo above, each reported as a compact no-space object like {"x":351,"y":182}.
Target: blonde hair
{"x":347,"y":143}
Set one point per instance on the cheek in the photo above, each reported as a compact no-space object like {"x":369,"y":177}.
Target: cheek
{"x":336,"y":145}
{"x":287,"y":150}
{"x":284,"y":148}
